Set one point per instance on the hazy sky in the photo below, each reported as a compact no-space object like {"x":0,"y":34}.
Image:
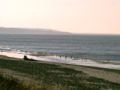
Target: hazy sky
{"x":79,"y":16}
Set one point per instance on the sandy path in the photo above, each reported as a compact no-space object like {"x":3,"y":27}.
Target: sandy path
{"x":107,"y":75}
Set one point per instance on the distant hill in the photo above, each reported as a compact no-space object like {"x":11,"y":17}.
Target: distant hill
{"x":4,"y":30}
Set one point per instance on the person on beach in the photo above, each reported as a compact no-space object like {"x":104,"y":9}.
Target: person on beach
{"x":25,"y":57}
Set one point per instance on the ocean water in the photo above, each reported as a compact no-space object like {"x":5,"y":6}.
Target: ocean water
{"x":93,"y":47}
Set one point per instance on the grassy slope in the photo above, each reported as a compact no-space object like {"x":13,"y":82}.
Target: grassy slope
{"x":107,"y":74}
{"x":11,"y":84}
{"x":57,"y":76}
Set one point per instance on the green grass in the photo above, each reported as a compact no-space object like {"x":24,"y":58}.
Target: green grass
{"x":57,"y":76}
{"x":11,"y":84}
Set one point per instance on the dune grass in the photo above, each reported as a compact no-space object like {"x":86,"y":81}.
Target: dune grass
{"x":11,"y":84}
{"x":57,"y":77}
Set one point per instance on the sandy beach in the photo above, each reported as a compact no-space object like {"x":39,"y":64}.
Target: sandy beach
{"x":57,"y":59}
{"x":86,"y":69}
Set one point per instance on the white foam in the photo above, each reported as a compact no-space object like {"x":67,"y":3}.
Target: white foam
{"x":57,"y":59}
{"x":12,"y":54}
{"x":75,"y":62}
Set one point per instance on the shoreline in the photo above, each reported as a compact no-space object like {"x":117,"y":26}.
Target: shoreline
{"x":57,"y":59}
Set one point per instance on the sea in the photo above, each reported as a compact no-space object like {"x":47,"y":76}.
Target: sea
{"x":93,"y":47}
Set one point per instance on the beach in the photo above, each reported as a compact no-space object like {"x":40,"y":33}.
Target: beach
{"x":36,"y":62}
{"x":58,"y":59}
{"x":62,"y":76}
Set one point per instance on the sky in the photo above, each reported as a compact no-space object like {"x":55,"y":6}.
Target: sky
{"x":76,"y":16}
